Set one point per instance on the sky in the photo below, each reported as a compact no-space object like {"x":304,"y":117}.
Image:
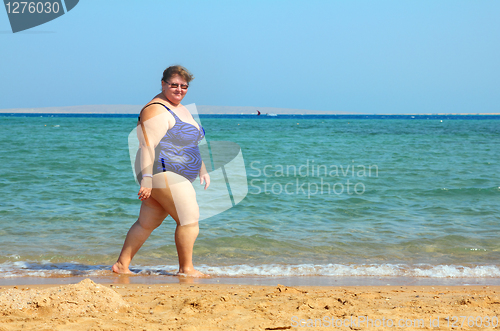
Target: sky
{"x":377,"y":57}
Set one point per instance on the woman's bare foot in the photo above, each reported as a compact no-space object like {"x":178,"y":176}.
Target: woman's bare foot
{"x":191,"y":273}
{"x":120,"y":269}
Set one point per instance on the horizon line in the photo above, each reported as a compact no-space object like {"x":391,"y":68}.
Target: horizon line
{"x":208,"y":110}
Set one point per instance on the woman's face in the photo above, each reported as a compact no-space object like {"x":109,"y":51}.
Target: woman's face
{"x":177,"y":93}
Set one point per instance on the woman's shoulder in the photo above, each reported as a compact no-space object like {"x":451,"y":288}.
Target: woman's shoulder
{"x":152,"y":109}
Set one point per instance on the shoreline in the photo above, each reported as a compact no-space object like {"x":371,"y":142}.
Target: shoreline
{"x":319,"y":281}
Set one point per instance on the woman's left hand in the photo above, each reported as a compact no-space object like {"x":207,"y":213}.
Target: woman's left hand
{"x":144,"y":193}
{"x":146,"y":188}
{"x":205,"y":178}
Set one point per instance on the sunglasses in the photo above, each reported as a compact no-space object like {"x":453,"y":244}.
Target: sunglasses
{"x":176,"y":85}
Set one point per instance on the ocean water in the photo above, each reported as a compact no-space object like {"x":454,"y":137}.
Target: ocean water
{"x":328,"y":197}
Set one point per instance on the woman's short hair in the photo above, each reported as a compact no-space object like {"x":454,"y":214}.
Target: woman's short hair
{"x":177,"y":70}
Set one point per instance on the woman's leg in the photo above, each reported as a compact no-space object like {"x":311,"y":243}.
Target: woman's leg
{"x":185,"y":236}
{"x":178,"y":198}
{"x":151,"y":216}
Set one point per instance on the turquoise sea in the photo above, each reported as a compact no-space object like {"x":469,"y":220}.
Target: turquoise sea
{"x":327,"y":197}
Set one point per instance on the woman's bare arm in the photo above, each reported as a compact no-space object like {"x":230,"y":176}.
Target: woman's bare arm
{"x":153,"y":124}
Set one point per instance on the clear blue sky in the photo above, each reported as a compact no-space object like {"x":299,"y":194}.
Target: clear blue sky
{"x":357,"y":56}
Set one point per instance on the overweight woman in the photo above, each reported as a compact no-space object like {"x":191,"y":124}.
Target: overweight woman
{"x":170,"y":161}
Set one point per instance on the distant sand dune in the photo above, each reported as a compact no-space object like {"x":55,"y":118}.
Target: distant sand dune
{"x":228,"y":110}
{"x":134,"y":109}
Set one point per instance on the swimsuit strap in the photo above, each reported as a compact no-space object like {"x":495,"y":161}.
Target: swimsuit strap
{"x":157,"y":103}
{"x":177,"y":119}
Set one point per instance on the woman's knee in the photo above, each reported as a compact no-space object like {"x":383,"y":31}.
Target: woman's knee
{"x":191,"y":219}
{"x":149,"y":224}
{"x":152,"y":215}
{"x":188,"y":215}
{"x":150,"y":221}
{"x":191,"y":225}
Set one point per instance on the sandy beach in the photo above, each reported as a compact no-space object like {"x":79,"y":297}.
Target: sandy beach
{"x":190,"y":306}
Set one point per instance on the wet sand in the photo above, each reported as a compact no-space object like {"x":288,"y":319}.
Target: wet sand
{"x":191,"y":305}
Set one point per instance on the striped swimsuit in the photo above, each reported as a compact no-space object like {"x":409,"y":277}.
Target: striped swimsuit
{"x":178,"y":150}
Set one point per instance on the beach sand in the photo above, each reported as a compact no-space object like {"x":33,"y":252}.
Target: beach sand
{"x":190,"y":306}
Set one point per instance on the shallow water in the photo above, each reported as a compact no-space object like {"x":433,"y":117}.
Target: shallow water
{"x":326,"y":197}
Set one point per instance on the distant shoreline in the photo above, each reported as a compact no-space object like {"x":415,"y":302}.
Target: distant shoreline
{"x":417,"y":117}
{"x":205,"y":110}
{"x":135,"y":109}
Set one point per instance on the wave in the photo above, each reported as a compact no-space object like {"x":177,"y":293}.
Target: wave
{"x":47,"y":269}
{"x":378,"y":270}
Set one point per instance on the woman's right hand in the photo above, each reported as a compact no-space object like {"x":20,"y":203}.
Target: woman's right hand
{"x":146,"y":188}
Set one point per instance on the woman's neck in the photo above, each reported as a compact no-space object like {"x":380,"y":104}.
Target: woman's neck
{"x":164,"y":98}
